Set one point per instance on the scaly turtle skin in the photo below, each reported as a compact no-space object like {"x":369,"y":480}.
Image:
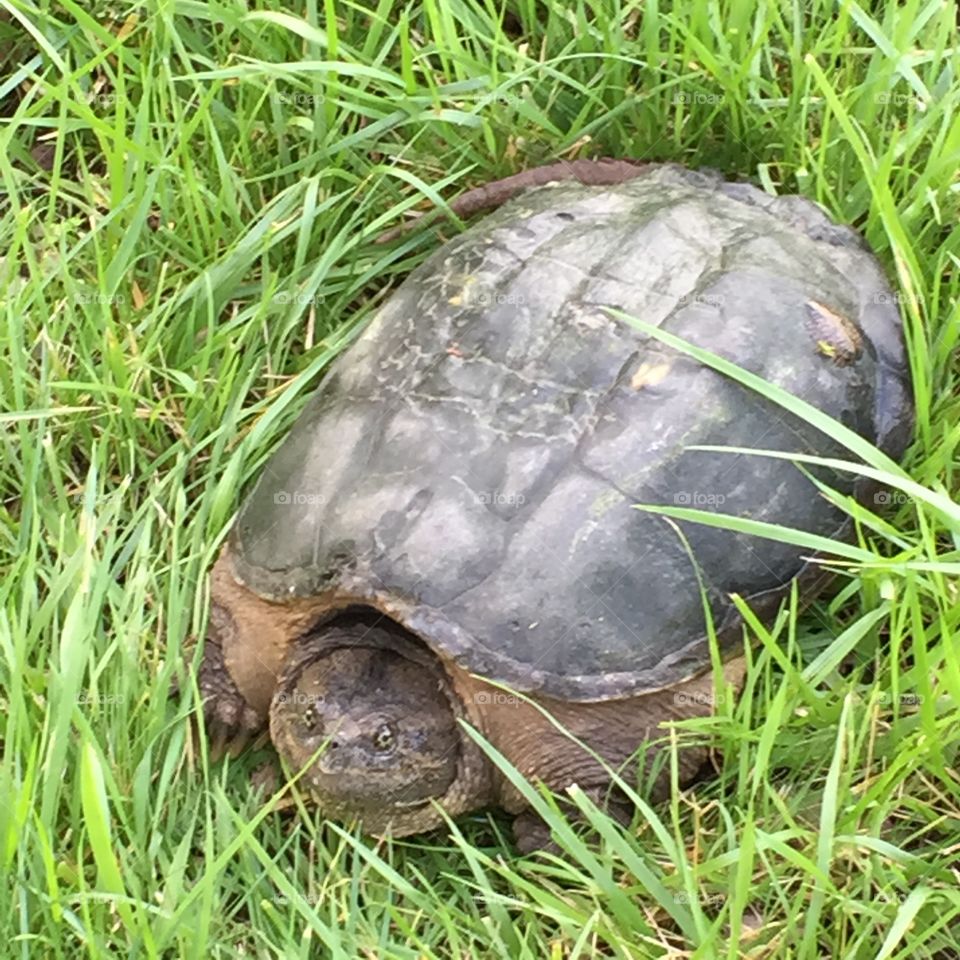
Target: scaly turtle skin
{"x":454,"y":507}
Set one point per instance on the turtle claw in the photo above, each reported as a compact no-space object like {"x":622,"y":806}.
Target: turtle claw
{"x":224,"y":741}
{"x":533,"y":835}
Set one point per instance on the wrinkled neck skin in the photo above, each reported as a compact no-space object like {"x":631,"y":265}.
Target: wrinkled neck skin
{"x":369,"y":644}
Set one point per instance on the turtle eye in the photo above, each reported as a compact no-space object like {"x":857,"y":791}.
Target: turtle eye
{"x":310,"y":717}
{"x":383,"y":738}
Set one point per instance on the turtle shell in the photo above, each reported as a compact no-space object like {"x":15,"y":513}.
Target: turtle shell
{"x":470,"y":464}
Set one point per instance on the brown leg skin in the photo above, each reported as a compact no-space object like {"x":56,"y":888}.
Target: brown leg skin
{"x":627,"y":735}
{"x":532,"y":833}
{"x":229,"y":719}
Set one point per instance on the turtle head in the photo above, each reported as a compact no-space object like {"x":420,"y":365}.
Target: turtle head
{"x":371,"y":719}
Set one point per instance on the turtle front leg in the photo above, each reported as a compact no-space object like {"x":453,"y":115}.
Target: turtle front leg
{"x":230,"y":721}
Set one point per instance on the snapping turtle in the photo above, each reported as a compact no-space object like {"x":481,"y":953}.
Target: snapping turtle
{"x":452,"y":517}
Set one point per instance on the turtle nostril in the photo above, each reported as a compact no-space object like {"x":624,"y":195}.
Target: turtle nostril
{"x":334,"y":744}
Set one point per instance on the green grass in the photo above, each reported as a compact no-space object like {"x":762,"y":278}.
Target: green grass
{"x":196,"y":242}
